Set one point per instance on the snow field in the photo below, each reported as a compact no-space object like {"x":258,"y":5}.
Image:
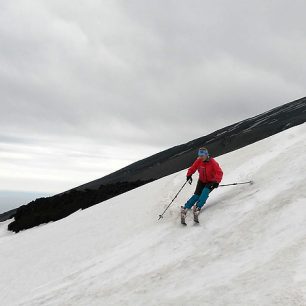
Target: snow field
{"x":249,"y":249}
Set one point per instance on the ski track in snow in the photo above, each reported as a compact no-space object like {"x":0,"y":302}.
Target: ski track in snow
{"x":249,"y":249}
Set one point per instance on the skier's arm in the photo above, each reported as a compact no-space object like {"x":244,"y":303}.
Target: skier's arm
{"x":193,"y":168}
{"x":218,"y":172}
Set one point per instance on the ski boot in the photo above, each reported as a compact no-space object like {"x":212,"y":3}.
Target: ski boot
{"x":196,"y":211}
{"x":183,"y":215}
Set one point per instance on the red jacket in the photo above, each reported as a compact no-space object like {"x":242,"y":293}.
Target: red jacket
{"x":209,"y":171}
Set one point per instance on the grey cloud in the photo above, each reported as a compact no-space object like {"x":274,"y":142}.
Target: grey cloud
{"x":90,"y":77}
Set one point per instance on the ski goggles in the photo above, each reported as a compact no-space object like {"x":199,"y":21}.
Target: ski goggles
{"x":202,"y":152}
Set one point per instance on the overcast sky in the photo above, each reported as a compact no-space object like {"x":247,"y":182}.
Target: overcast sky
{"x":90,"y":86}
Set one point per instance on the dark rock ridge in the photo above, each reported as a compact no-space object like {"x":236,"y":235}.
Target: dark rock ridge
{"x":159,"y":165}
{"x":8,"y":215}
{"x":44,"y":210}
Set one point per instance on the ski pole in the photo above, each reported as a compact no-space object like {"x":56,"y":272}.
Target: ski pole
{"x":233,"y":184}
{"x":161,"y":216}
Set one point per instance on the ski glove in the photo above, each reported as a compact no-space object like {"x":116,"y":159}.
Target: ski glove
{"x":213,"y":185}
{"x":189,"y":179}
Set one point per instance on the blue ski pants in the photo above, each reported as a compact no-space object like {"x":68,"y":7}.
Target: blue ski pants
{"x":200,"y":196}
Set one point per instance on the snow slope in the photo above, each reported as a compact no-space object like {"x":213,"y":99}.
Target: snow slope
{"x":250,"y":248}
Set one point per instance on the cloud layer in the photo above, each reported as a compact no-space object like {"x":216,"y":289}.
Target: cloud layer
{"x":90,"y":86}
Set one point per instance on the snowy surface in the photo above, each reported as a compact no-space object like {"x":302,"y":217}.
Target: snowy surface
{"x":250,"y":248}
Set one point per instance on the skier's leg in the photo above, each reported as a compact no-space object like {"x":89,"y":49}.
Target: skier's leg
{"x":203,"y":197}
{"x":196,"y":195}
{"x":191,"y":201}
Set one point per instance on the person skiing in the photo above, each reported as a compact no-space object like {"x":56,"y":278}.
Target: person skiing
{"x":210,"y":175}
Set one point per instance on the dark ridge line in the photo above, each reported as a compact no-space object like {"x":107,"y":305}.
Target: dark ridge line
{"x":8,"y":215}
{"x":228,"y":134}
{"x":164,"y":163}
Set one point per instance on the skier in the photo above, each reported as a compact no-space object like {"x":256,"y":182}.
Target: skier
{"x":210,"y":175}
